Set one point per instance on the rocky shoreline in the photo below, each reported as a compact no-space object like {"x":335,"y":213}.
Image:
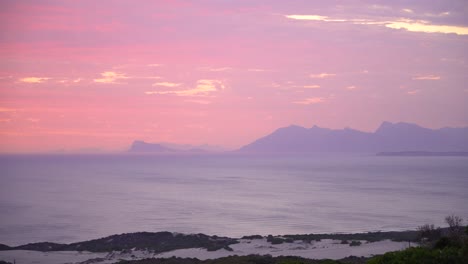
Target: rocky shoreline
{"x":200,"y":247}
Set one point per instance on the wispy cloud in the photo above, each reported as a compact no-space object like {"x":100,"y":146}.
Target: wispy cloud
{"x":351,"y":87}
{"x":321,"y":75}
{"x":425,"y":26}
{"x":33,"y":120}
{"x":4,"y":109}
{"x":315,"y":18}
{"x":442,"y":14}
{"x":202,"y":88}
{"x":195,"y":101}
{"x":257,"y":70}
{"x":397,"y":23}
{"x":311,"y":86}
{"x":413,"y":92}
{"x":34,"y":79}
{"x":154,"y":65}
{"x":311,"y":100}
{"x":427,"y":77}
{"x":220,"y":69}
{"x":66,"y":81}
{"x":166,"y":84}
{"x":407,"y":10}
{"x":111,"y":77}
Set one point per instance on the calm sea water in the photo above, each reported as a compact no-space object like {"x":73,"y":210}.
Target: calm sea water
{"x":73,"y":198}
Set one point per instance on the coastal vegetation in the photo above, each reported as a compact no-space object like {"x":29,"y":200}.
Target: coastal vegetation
{"x":251,"y":259}
{"x":430,"y":244}
{"x":398,"y":236}
{"x":155,"y":242}
{"x":166,"y":241}
{"x":438,"y":246}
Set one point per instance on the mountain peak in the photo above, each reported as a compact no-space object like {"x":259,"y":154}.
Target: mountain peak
{"x":388,"y":126}
{"x":385,"y":125}
{"x":388,"y":137}
{"x":141,"y":146}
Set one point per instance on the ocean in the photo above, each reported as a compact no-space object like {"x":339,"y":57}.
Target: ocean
{"x":70,"y":198}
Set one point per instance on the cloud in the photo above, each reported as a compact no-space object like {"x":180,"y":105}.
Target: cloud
{"x":442,"y":14}
{"x":352,"y":87}
{"x":427,"y":77}
{"x":315,"y":18}
{"x":397,"y":23}
{"x":311,"y":100}
{"x":221,"y":69}
{"x":311,"y":86}
{"x":257,"y":70}
{"x":321,"y":75}
{"x":4,"y":109}
{"x":202,"y":88}
{"x":70,"y":81}
{"x":413,"y":92}
{"x":33,"y":120}
{"x":203,"y":102}
{"x":407,"y":10}
{"x":34,"y":79}
{"x":5,"y":120}
{"x":154,"y":65}
{"x":424,"y":26}
{"x":166,"y":84}
{"x":111,"y":77}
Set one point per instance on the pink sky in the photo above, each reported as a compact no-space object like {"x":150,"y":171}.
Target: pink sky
{"x":100,"y":74}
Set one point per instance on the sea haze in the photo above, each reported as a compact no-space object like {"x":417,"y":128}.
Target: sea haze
{"x":68,"y":198}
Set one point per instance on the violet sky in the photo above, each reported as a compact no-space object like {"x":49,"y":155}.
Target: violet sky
{"x":99,"y":74}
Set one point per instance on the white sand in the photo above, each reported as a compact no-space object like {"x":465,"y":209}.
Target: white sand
{"x":327,"y":248}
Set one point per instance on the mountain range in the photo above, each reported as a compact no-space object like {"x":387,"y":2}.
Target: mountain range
{"x":389,"y":137}
{"x":139,"y":146}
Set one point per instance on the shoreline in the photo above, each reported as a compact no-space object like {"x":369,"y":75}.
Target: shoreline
{"x":142,"y":245}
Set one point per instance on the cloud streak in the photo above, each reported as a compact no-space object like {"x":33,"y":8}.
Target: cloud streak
{"x":427,"y":77}
{"x":166,"y":84}
{"x":398,"y":23}
{"x":34,"y":79}
{"x":311,"y":86}
{"x":310,"y":101}
{"x":321,"y":75}
{"x":110,"y":77}
{"x":203,"y":88}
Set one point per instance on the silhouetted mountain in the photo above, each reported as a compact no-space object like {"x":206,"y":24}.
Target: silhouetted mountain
{"x":387,"y":138}
{"x":143,"y":147}
{"x":424,"y":153}
{"x":192,"y":148}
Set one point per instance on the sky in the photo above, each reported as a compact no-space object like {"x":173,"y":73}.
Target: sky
{"x":96,"y":75}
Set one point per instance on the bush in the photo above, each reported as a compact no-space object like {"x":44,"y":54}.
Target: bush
{"x":429,"y":233}
{"x":275,"y":240}
{"x":421,"y":255}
